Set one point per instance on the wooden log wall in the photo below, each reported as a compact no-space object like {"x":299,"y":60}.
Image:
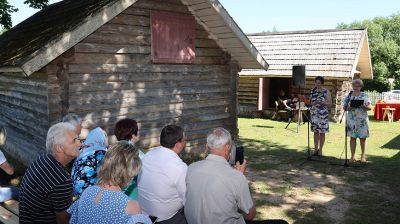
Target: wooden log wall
{"x":248,"y":95}
{"x":109,"y":75}
{"x":24,"y":114}
{"x":344,"y":87}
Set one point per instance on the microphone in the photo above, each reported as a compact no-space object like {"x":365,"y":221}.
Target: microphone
{"x":313,"y":90}
{"x":347,"y":104}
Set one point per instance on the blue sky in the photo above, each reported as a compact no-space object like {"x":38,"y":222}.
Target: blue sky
{"x":285,"y":15}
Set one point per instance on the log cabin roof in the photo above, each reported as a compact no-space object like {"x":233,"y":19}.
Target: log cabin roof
{"x":329,"y":53}
{"x":38,"y":40}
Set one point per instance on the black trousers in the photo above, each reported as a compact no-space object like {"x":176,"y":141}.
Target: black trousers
{"x":178,"y":218}
{"x":270,"y":221}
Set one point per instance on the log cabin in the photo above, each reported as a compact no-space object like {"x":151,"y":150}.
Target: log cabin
{"x":157,"y":61}
{"x":337,"y":55}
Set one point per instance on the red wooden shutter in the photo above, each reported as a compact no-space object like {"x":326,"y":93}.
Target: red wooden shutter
{"x":172,"y":37}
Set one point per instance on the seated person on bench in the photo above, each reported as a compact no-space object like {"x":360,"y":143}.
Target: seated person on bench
{"x":7,"y":192}
{"x":285,"y":102}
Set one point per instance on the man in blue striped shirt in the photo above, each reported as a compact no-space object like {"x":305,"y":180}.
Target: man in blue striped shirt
{"x":46,"y":188}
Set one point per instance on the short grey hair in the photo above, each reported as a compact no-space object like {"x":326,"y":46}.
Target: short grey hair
{"x":357,"y":81}
{"x":56,"y":135}
{"x":73,"y":119}
{"x":218,"y":138}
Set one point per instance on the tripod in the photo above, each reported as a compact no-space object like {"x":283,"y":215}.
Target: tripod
{"x":300,"y":113}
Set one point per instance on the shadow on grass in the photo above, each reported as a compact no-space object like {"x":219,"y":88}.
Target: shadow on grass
{"x":365,"y":205}
{"x":371,"y":118}
{"x":393,"y":144}
{"x":257,"y":151}
{"x":280,"y":157}
{"x":262,"y":126}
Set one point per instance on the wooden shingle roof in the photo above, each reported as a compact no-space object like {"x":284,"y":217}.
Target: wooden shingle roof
{"x":23,"y":42}
{"x":330,"y":53}
{"x":34,"y":43}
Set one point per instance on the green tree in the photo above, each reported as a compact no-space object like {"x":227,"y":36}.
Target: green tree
{"x":384,"y":42}
{"x":6,"y":9}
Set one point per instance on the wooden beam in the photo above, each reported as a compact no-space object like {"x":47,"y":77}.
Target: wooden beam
{"x":8,"y":217}
{"x":55,"y":48}
{"x":12,"y":206}
{"x":234,"y":74}
{"x":12,"y":70}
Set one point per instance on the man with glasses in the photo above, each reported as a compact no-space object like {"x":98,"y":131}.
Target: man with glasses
{"x":162,"y":186}
{"x":46,"y":188}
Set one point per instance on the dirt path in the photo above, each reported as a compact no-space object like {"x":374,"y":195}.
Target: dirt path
{"x":299,"y":194}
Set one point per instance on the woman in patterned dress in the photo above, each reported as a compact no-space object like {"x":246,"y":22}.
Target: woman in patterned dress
{"x":84,"y":170}
{"x":357,"y":119}
{"x":320,"y":101}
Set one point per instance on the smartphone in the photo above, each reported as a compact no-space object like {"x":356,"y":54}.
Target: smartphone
{"x":239,"y":154}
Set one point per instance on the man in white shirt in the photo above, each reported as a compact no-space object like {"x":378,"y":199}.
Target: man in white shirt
{"x":162,"y":185}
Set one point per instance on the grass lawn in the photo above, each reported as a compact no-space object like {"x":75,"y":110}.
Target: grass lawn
{"x":285,"y":185}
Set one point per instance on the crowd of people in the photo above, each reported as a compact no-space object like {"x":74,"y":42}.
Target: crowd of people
{"x":118,"y":183}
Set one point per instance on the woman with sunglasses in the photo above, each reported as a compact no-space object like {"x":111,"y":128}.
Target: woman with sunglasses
{"x":357,"y":119}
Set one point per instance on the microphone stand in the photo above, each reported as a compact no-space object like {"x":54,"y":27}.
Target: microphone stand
{"x":309,"y":154}
{"x":346,"y":162}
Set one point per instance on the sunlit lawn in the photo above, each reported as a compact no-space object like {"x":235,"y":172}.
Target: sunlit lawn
{"x":285,"y":185}
{"x":288,"y":186}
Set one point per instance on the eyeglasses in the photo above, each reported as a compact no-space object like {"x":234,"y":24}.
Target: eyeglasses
{"x":77,"y":138}
{"x":356,"y":86}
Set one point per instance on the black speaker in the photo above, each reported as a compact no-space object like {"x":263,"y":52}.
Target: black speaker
{"x":299,"y":75}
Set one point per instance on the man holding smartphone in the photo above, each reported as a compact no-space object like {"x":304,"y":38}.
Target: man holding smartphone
{"x":216,"y":191}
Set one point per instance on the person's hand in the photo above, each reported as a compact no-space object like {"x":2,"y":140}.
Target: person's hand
{"x":323,"y":102}
{"x":349,"y":108}
{"x":366,"y":106}
{"x":241,"y":167}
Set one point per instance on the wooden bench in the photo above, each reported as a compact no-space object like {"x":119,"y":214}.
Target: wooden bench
{"x":9,"y":212}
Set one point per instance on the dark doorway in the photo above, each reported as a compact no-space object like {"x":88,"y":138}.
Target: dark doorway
{"x":276,"y":84}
